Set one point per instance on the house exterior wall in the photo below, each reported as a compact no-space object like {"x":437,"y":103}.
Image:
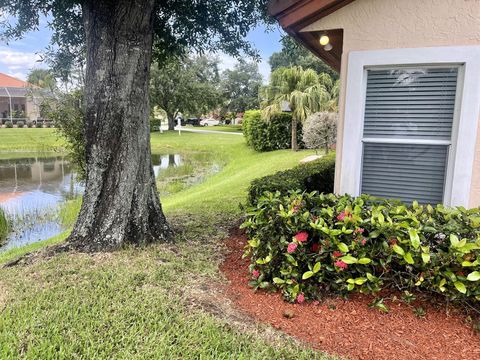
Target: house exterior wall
{"x":32,"y":110}
{"x":390,"y":24}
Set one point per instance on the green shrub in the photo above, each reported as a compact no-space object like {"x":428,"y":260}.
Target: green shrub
{"x":9,"y":124}
{"x":39,"y":125}
{"x":20,"y":124}
{"x":306,"y":244}
{"x":317,"y":175}
{"x":4,"y":227}
{"x":29,"y":124}
{"x":274,"y":134}
{"x":67,"y":114}
{"x":155,"y":123}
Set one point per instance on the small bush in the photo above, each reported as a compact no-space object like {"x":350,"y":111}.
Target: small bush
{"x":320,"y":131}
{"x":48,"y":124}
{"x":67,"y":113}
{"x":306,"y":244}
{"x":9,"y":124}
{"x":20,"y":124}
{"x":29,"y":124}
{"x":274,"y":134}
{"x":155,"y":123}
{"x":317,"y":175}
{"x":39,"y":125}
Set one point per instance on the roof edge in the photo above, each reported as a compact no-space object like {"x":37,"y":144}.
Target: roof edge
{"x":295,"y":15}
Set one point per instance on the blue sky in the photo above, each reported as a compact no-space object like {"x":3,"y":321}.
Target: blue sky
{"x":18,"y":57}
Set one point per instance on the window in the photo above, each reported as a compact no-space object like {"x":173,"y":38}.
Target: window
{"x":407,"y":134}
{"x":410,"y":124}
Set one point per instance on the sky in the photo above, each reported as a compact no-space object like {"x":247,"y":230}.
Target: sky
{"x":17,"y":58}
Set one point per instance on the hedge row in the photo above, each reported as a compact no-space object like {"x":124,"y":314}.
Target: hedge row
{"x":317,"y":175}
{"x":308,"y":243}
{"x":274,"y":134}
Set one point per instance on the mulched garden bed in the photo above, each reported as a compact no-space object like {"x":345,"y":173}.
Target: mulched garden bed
{"x":350,"y":328}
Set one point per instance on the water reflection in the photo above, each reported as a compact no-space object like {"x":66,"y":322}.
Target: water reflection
{"x":32,"y":184}
{"x":31,"y":189}
{"x":165,"y":161}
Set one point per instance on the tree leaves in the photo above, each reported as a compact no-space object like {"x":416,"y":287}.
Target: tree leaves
{"x":408,"y":258}
{"x":460,"y":287}
{"x":178,"y":26}
{"x":307,"y":275}
{"x":343,"y":247}
{"x":414,"y":238}
{"x":188,"y":85}
{"x":474,"y":276}
{"x":398,"y":250}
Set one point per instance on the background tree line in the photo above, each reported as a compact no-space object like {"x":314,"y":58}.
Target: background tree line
{"x":193,"y":86}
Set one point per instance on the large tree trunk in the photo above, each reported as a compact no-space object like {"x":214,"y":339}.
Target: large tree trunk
{"x":121,"y":203}
{"x":294,"y":134}
{"x":171,"y":122}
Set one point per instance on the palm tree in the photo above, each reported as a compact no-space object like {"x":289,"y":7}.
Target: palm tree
{"x":303,"y":91}
{"x":42,"y":78}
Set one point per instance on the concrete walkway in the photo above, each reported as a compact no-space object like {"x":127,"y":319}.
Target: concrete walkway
{"x":189,"y":129}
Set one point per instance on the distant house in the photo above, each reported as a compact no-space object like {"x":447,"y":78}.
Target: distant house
{"x":409,"y":103}
{"x":19,"y":100}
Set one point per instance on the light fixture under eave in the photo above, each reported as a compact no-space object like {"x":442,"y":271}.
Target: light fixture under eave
{"x":324,"y":40}
{"x":328,"y":47}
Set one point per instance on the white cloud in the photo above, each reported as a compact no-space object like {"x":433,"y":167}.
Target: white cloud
{"x":18,"y":75}
{"x":18,"y":63}
{"x":15,"y":58}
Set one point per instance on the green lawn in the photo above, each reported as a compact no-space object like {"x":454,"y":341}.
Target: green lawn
{"x":221,"y":194}
{"x":227,"y":128}
{"x":156,"y":302}
{"x":29,"y":140}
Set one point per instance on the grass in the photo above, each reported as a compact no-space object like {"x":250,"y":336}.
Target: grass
{"x":68,"y":212}
{"x":30,"y":140}
{"x":4,"y":227}
{"x":132,"y":304}
{"x":227,"y":128}
{"x":155,"y":302}
{"x":14,"y":253}
{"x":242,"y":165}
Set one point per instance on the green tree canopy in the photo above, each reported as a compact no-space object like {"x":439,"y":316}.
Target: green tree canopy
{"x":294,"y":54}
{"x":240,"y":87}
{"x":186,"y":85}
{"x":219,"y":25}
{"x":42,"y":78}
{"x":304,"y":92}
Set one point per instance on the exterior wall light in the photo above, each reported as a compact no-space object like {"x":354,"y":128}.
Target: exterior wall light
{"x":324,"y":40}
{"x":328,"y":47}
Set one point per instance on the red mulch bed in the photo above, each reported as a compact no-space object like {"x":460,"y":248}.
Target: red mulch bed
{"x":349,"y":327}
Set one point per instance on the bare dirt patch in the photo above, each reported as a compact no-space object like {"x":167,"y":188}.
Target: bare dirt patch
{"x":349,"y":327}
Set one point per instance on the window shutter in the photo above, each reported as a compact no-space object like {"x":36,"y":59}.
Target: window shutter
{"x":410,"y":103}
{"x":407,"y":132}
{"x":404,"y":171}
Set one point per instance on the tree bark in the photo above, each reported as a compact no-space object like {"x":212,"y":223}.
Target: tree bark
{"x":294,"y":134}
{"x":171,"y":122}
{"x":121,"y":203}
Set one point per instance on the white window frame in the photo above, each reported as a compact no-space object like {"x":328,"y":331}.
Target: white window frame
{"x":466,"y":116}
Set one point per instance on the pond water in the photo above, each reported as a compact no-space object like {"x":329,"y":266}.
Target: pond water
{"x":33,"y":188}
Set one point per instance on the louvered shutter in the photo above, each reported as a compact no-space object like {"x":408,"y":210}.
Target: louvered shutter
{"x":407,"y":132}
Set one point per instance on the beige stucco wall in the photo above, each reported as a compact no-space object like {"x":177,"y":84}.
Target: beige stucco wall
{"x":387,"y":24}
{"x":32,"y":110}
